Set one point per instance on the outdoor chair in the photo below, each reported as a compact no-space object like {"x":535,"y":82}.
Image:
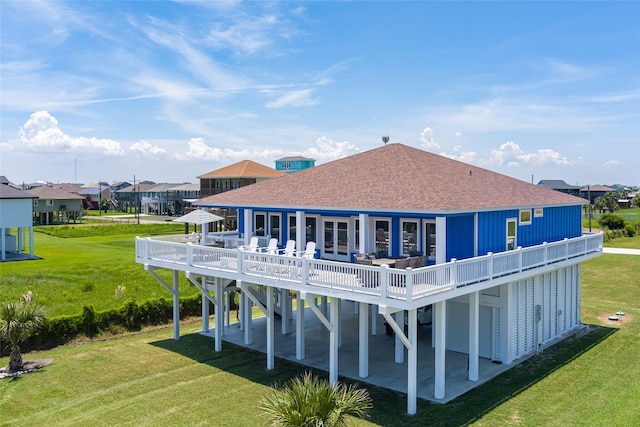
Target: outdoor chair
{"x":290,"y":248}
{"x":414,"y":261}
{"x":272,"y":249}
{"x":402,"y":263}
{"x":310,"y":250}
{"x":252,"y":246}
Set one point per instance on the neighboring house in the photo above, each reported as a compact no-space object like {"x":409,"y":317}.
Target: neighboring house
{"x":119,"y":186}
{"x":560,"y":185}
{"x":503,"y":261}
{"x":168,"y":198}
{"x":16,"y":213}
{"x":294,"y":164}
{"x":93,"y":194}
{"x":55,"y":206}
{"x":592,"y":192}
{"x":241,"y":174}
{"x":129,"y":198}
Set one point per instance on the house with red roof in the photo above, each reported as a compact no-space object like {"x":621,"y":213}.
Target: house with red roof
{"x":497,"y":265}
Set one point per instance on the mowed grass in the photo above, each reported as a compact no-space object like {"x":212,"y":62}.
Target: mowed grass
{"x":592,"y":379}
{"x":82,"y":265}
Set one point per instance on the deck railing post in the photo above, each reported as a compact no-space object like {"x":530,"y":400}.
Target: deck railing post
{"x":239,"y":261}
{"x":546,"y":253}
{"x":566,"y":248}
{"x":519,"y":249}
{"x":384,"y":280}
{"x":409,"y":281}
{"x":490,"y":267}
{"x":305,"y":271}
{"x":453,"y":271}
{"x":146,"y":247}
{"x":189,"y":253}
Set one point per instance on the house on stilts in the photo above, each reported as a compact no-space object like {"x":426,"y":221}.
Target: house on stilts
{"x":455,"y":261}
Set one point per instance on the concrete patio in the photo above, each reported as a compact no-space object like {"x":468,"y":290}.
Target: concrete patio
{"x":383,"y":370}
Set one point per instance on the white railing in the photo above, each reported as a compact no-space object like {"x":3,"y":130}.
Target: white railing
{"x":312,"y":275}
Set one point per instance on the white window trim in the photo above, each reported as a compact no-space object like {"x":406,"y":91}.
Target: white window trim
{"x":49,"y":202}
{"x":35,"y":202}
{"x":520,"y":221}
{"x":515,"y":237}
{"x":418,"y":244}
{"x":538,"y":212}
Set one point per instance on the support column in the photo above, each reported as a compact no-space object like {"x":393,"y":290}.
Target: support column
{"x":474,"y":335}
{"x":219,"y":314}
{"x":31,"y":242}
{"x":285,"y":310}
{"x":270,"y":329}
{"x":323,"y":305}
{"x":301,"y":236}
{"x":300,"y":332}
{"x":374,"y":320}
{"x":339,"y":304}
{"x":248,"y":319}
{"x":333,"y":342}
{"x":3,"y":247}
{"x":399,"y":355}
{"x":440,"y":315}
{"x":176,"y":306}
{"x":205,"y":306}
{"x":412,"y":363}
{"x":363,"y":340}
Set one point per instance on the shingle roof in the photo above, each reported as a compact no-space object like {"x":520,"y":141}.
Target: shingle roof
{"x":244,"y":169}
{"x":597,"y":187}
{"x":394,"y":177}
{"x":53,"y":193}
{"x":293,"y":158}
{"x":7,"y":192}
{"x":557,"y":184}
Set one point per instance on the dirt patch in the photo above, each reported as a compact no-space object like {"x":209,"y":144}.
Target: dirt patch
{"x":609,"y":319}
{"x":28,"y":367}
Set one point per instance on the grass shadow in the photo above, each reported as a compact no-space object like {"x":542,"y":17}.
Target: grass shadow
{"x":389,"y":407}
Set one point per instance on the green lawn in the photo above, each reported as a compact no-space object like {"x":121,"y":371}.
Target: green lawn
{"x":149,"y":379}
{"x":83,"y":265}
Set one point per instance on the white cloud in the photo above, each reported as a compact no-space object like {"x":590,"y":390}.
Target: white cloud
{"x":327,"y":149}
{"x":296,"y":98}
{"x":145,"y":148}
{"x":427,"y":139}
{"x":460,"y":155}
{"x":457,"y":134}
{"x":41,"y":133}
{"x":511,"y":154}
{"x":610,"y":164}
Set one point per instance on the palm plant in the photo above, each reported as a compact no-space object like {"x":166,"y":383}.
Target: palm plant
{"x":18,"y":321}
{"x":310,"y":402}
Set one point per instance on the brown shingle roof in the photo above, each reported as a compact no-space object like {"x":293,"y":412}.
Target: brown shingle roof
{"x":244,"y":169}
{"x":53,"y":193}
{"x":394,"y":177}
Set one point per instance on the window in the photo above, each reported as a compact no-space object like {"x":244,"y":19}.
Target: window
{"x":382,"y":235}
{"x":286,"y":165}
{"x":539,"y":212}
{"x":357,"y":232}
{"x":311,"y":229}
{"x":235,"y":183}
{"x":260,"y":223}
{"x":49,"y":202}
{"x":430,"y":238}
{"x":35,"y":202}
{"x":409,"y":237}
{"x":525,"y":216}
{"x":292,"y":227}
{"x":274,"y":226}
{"x":511,"y":234}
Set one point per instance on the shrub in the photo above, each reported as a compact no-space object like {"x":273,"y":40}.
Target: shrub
{"x":611,"y":221}
{"x":630,"y":230}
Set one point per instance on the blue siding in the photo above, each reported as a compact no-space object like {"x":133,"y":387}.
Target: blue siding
{"x":556,"y":224}
{"x":460,"y":237}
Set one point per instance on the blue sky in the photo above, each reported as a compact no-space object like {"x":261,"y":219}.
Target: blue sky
{"x":167,"y":91}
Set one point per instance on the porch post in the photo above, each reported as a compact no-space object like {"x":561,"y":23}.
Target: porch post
{"x":440,"y":314}
{"x":300,"y":332}
{"x":399,"y":356}
{"x":301,"y":235}
{"x":248,"y":225}
{"x":364,"y":233}
{"x":3,"y":244}
{"x":31,"y":241}
{"x":270,"y":329}
{"x":412,"y":363}
{"x":333,"y":341}
{"x":205,"y":306}
{"x":474,"y":332}
{"x":374,"y":320}
{"x":363,"y":340}
{"x":441,"y":239}
{"x":176,"y":306}
{"x":218,"y":314}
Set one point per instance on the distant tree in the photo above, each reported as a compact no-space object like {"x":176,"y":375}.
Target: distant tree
{"x":18,"y":321}
{"x":636,"y":200}
{"x":610,"y":201}
{"x":310,"y":402}
{"x":599,"y":204}
{"x":104,"y":204}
